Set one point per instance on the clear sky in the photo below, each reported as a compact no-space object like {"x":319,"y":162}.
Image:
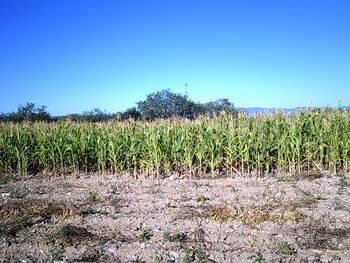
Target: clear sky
{"x":74,"y":55}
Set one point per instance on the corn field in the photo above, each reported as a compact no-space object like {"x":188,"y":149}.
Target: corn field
{"x":312,"y":140}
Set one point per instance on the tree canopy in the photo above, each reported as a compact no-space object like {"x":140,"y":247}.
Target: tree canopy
{"x":160,"y":104}
{"x":28,"y":112}
{"x":166,"y":104}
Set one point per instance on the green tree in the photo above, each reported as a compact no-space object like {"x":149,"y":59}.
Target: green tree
{"x":216,"y":107}
{"x":28,"y":112}
{"x":132,"y":113}
{"x":95,"y":115}
{"x":31,"y":112}
{"x":165,"y":104}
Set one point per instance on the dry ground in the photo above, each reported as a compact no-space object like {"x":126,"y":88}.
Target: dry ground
{"x":94,"y":218}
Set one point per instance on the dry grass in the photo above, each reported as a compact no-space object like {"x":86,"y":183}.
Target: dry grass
{"x":17,"y":215}
{"x":70,"y":234}
{"x":54,"y":211}
{"x":221,"y":214}
{"x":321,"y":236}
{"x":248,"y":215}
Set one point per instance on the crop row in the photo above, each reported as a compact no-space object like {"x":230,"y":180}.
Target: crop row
{"x":260,"y":144}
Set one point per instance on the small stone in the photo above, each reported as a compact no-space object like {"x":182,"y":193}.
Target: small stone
{"x":174,"y":256}
{"x":144,"y":245}
{"x":5,"y":195}
{"x":157,"y":229}
{"x":113,"y":248}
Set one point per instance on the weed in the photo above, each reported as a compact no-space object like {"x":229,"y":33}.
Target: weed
{"x":145,"y":236}
{"x":305,"y":193}
{"x":162,"y":257}
{"x":286,"y":249}
{"x":137,"y":260}
{"x":342,"y":184}
{"x":202,"y":198}
{"x":57,"y":252}
{"x":197,"y":255}
{"x":174,"y":237}
{"x":114,"y":190}
{"x":88,"y":212}
{"x":92,"y":197}
{"x":257,"y":258}
{"x":169,"y":205}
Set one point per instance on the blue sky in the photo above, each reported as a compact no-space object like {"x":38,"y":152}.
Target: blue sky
{"x":74,"y":55}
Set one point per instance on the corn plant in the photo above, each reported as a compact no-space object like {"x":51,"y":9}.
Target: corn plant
{"x":309,"y":140}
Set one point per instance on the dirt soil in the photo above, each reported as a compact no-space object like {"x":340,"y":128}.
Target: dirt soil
{"x":94,"y":218}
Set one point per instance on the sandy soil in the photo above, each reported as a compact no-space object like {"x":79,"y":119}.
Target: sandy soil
{"x":93,"y":218}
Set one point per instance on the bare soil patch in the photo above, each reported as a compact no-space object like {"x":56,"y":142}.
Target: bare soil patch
{"x":93,"y":218}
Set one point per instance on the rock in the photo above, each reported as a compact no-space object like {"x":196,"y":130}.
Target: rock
{"x":157,"y":229}
{"x":174,"y":256}
{"x":144,"y":245}
{"x":171,"y":177}
{"x":5,"y":195}
{"x":113,"y":248}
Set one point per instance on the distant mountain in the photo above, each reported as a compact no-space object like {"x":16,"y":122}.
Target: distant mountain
{"x":251,"y":110}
